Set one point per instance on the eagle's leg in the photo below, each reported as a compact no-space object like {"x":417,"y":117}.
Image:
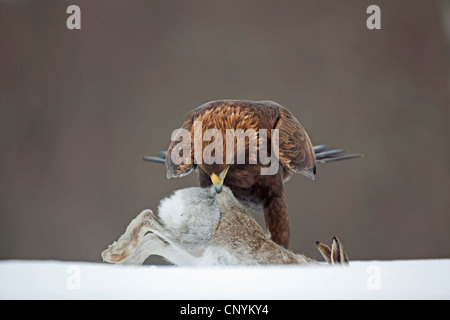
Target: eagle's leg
{"x":335,"y":255}
{"x":276,"y":213}
{"x":276,"y":216}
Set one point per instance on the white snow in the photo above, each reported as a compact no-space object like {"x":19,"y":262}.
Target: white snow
{"x":404,"y":279}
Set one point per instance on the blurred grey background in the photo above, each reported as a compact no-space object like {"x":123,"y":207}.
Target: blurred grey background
{"x":79,"y":109}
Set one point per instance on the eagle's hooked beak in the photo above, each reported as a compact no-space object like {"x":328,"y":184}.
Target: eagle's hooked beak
{"x":217,"y":180}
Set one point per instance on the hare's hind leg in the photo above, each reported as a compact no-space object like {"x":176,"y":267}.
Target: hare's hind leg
{"x":335,"y":255}
{"x":137,"y":243}
{"x":141,"y":240}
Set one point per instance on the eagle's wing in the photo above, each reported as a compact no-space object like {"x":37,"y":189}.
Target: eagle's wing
{"x":323,"y":155}
{"x":176,"y":170}
{"x":296,"y":152}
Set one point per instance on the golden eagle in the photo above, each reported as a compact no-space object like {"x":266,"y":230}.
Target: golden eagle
{"x":284,"y":140}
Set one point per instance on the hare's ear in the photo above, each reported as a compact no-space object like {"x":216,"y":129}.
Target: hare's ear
{"x":338,"y":254}
{"x":335,"y":255}
{"x":180,"y":155}
{"x":324,"y":250}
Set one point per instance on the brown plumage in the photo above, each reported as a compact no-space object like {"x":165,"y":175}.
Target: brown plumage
{"x":296,"y":155}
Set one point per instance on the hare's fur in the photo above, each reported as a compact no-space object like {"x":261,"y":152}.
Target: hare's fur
{"x":197,"y":226}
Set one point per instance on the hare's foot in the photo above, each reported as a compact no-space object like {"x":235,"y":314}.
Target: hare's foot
{"x":335,"y":255}
{"x":127,"y":248}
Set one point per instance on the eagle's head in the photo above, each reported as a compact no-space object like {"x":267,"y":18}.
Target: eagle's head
{"x":221,"y":122}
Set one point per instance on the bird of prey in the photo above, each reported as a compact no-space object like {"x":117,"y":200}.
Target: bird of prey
{"x":295,"y":154}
